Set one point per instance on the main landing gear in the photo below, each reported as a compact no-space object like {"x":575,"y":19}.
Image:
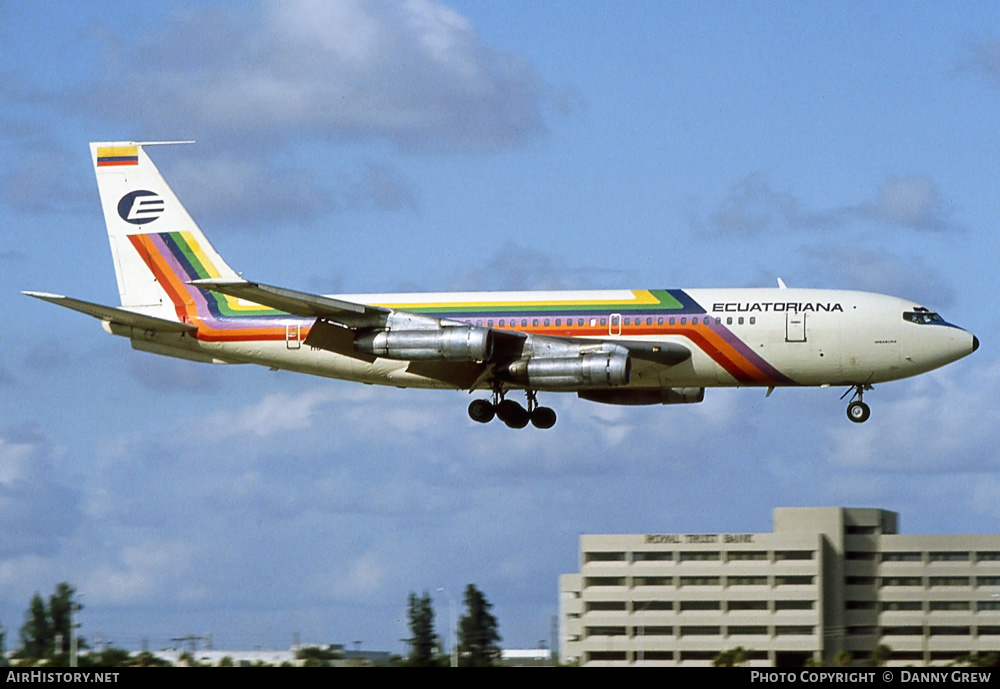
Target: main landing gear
{"x":857,"y":410}
{"x":510,"y":412}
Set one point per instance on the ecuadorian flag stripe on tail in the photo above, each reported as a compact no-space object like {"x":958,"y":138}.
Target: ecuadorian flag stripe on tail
{"x":108,"y":156}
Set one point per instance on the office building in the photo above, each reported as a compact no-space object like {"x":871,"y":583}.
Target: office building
{"x":824,"y":582}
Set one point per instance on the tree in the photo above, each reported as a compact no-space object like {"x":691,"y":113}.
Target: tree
{"x":48,"y":626}
{"x":881,"y":655}
{"x":734,"y":657}
{"x":422,"y":640}
{"x":478,"y":633}
{"x":37,"y":639}
{"x":61,"y":609}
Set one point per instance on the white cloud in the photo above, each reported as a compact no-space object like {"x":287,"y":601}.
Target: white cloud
{"x":754,"y":206}
{"x":939,"y":424}
{"x":142,"y":571}
{"x":414,"y":73}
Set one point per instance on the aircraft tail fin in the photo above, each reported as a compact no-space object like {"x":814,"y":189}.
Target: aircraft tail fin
{"x":156,"y":246}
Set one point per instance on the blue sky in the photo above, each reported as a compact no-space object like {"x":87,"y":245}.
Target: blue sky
{"x":364,"y":147}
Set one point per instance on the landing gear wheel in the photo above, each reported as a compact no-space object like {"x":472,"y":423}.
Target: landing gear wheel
{"x":512,"y":414}
{"x":543,"y":417}
{"x":858,"y":411}
{"x":482,"y":411}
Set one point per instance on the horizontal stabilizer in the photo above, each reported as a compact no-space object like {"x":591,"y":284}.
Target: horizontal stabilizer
{"x":111,"y":314}
{"x":304,"y":304}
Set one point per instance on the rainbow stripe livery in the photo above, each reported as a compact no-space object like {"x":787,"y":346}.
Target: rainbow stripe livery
{"x":661,"y":346}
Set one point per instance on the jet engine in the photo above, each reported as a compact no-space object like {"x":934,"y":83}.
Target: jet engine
{"x":597,"y":369}
{"x":444,"y":344}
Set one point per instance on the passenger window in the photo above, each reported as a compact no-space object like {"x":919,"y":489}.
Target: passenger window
{"x":729,"y":320}
{"x":673,"y":320}
{"x":684,"y":321}
{"x":659,"y":321}
{"x":740,"y":322}
{"x":753,"y":320}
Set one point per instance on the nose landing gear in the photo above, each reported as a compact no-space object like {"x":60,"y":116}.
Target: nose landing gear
{"x":510,"y":412}
{"x":857,"y":410}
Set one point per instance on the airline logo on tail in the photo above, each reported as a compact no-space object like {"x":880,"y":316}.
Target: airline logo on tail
{"x":140,"y":207}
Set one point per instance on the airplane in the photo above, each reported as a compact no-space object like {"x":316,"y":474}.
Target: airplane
{"x":179,"y":298}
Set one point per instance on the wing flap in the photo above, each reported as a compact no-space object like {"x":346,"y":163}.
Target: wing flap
{"x":344,"y":313}
{"x":335,"y":338}
{"x":111,"y":314}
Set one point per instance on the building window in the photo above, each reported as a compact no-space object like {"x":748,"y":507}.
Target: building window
{"x":988,"y":605}
{"x":950,"y":605}
{"x":793,"y":580}
{"x":903,"y":631}
{"x":861,"y":530}
{"x":606,"y":655}
{"x":949,"y":556}
{"x":700,"y":556}
{"x":743,"y":555}
{"x":949,"y":630}
{"x":652,"y":631}
{"x":603,"y":605}
{"x":746,"y":605}
{"x":987,"y":581}
{"x":652,"y":581}
{"x":949,"y":581}
{"x":747,"y":630}
{"x":746,"y":581}
{"x":794,"y":630}
{"x":643,"y":605}
{"x":794,"y":605}
{"x":653,"y":556}
{"x":988,"y":555}
{"x":604,"y":631}
{"x":701,"y":630}
{"x":988,"y":630}
{"x":901,"y":605}
{"x":604,"y":581}
{"x":902,"y":581}
{"x":604,"y":557}
{"x":700,"y":605}
{"x":701,"y":581}
{"x":860,"y":555}
{"x":902,"y":557}
{"x":793,"y":555}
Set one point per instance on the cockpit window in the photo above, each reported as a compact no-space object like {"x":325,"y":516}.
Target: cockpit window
{"x":922,"y":317}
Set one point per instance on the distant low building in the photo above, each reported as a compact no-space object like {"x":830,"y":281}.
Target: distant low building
{"x":825,"y":583}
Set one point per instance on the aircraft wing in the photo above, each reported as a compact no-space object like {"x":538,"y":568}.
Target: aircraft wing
{"x":345,"y":313}
{"x":112,"y":314}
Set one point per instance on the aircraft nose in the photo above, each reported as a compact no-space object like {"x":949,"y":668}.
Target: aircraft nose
{"x":975,"y":343}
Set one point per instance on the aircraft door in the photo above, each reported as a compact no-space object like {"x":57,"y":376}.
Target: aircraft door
{"x":795,"y":326}
{"x":293,"y":336}
{"x":615,"y":324}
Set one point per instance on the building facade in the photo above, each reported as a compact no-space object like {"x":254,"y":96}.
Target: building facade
{"x":825,"y":581}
